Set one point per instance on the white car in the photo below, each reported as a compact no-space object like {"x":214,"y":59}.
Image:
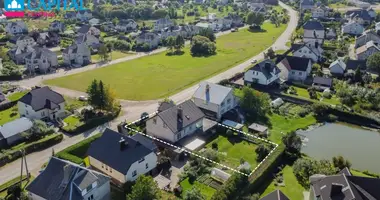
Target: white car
{"x":83,"y":98}
{"x":254,"y":61}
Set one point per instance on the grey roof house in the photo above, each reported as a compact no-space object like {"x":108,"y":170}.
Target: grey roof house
{"x":176,"y":122}
{"x":322,"y":83}
{"x":294,"y":68}
{"x":11,"y":132}
{"x":264,"y":73}
{"x":64,"y":180}
{"x":275,"y":195}
{"x":126,"y":157}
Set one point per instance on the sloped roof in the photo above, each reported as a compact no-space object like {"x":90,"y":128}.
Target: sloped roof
{"x":354,"y":64}
{"x":340,"y":63}
{"x":266,"y":67}
{"x":49,"y":184}
{"x":216,"y":93}
{"x":360,"y":13}
{"x":116,"y":157}
{"x":297,"y":63}
{"x":164,"y":106}
{"x":275,"y":195}
{"x":43,"y":97}
{"x":307,"y":2}
{"x":191,"y":114}
{"x":323,"y":80}
{"x":313,"y":25}
{"x":15,"y":127}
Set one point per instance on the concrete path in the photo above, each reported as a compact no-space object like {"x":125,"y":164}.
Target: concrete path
{"x":131,"y":109}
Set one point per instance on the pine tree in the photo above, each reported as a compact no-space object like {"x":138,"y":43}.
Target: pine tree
{"x":102,"y":96}
{"x":92,"y":92}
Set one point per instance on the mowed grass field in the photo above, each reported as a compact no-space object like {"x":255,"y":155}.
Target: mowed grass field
{"x":159,"y":75}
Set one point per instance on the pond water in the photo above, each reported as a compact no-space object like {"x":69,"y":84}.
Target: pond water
{"x":361,"y":147}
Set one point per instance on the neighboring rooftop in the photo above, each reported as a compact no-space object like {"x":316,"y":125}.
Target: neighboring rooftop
{"x":313,"y":25}
{"x":266,"y":67}
{"x":15,"y":127}
{"x":275,"y":195}
{"x":296,"y":63}
{"x":323,"y":81}
{"x":44,"y":97}
{"x":212,"y":92}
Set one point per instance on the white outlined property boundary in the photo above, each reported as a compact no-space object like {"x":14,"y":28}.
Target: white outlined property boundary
{"x":197,"y":155}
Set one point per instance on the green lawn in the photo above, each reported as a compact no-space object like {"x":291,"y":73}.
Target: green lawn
{"x":13,"y":181}
{"x":8,"y":115}
{"x":207,"y":191}
{"x":72,"y":122}
{"x":231,"y":152}
{"x":114,"y":54}
{"x":16,"y":95}
{"x":292,"y":189}
{"x":337,"y":5}
{"x":359,"y":173}
{"x":303,"y":93}
{"x":159,"y":75}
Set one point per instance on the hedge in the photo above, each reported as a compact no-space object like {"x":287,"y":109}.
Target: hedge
{"x":77,"y":152}
{"x":31,"y":147}
{"x":14,"y":181}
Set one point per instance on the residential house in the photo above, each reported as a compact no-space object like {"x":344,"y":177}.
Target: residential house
{"x":18,"y":54}
{"x":107,"y":27}
{"x":47,"y":39}
{"x":21,"y":41}
{"x":152,"y":39}
{"x":275,"y":195}
{"x":3,"y":18}
{"x":353,"y":65}
{"x":89,"y":40}
{"x":206,"y":25}
{"x":264,"y":73}
{"x":77,"y":55}
{"x":309,"y":50}
{"x":42,"y":103}
{"x":337,"y":67}
{"x":214,"y":100}
{"x":363,"y":52}
{"x":57,"y":26}
{"x":294,"y":68}
{"x":371,"y":12}
{"x":16,"y":27}
{"x":377,"y":27}
{"x":126,"y":25}
{"x":366,"y":37}
{"x":84,"y":15}
{"x":352,"y":28}
{"x":222,"y":2}
{"x":162,"y":23}
{"x":94,"y":21}
{"x":306,"y":5}
{"x":237,"y":21}
{"x":210,"y":17}
{"x":361,"y":16}
{"x":331,"y":34}
{"x":88,"y":30}
{"x":126,"y":157}
{"x":313,"y":32}
{"x":199,"y":1}
{"x":176,"y":122}
{"x":322,"y":83}
{"x":320,"y":12}
{"x":11,"y":132}
{"x":222,"y":23}
{"x":257,"y":7}
{"x":188,"y":31}
{"x":64,"y":180}
{"x":344,"y":186}
{"x":41,"y":59}
{"x":173,"y":31}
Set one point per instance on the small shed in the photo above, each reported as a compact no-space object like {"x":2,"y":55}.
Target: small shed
{"x":220,"y":174}
{"x":260,"y":129}
{"x":322,"y":83}
{"x":232,"y":124}
{"x":11,"y":132}
{"x":277,"y":103}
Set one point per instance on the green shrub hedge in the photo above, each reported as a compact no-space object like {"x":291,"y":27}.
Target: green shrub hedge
{"x":30,"y":148}
{"x":77,"y":152}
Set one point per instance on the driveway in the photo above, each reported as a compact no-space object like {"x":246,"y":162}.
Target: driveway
{"x":131,"y":109}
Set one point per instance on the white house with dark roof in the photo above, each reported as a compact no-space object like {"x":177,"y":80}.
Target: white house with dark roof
{"x":77,"y":55}
{"x":214,"y":100}
{"x":310,"y":50}
{"x":359,"y":15}
{"x":337,"y":67}
{"x":363,"y":52}
{"x":11,"y":132}
{"x":126,"y":158}
{"x":352,"y":28}
{"x":264,"y":73}
{"x":313,"y":32}
{"x":162,"y":23}
{"x":21,"y":41}
{"x":366,"y":37}
{"x":88,"y":30}
{"x":306,"y":4}
{"x":16,"y":27}
{"x":320,"y":12}
{"x":18,"y":54}
{"x":126,"y":25}
{"x":64,"y":180}
{"x":57,"y":26}
{"x":47,"y":38}
{"x":41,"y":59}
{"x":89,"y":40}
{"x":294,"y":68}
{"x":41,"y":103}
{"x":152,"y":39}
{"x":176,"y":122}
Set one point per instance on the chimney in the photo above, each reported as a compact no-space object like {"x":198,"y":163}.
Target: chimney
{"x":180,"y":113}
{"x":336,"y":189}
{"x":66,"y":174}
{"x":207,"y":93}
{"x":316,"y":44}
{"x":123,"y":144}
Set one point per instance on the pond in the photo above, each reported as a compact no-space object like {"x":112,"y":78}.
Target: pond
{"x":360,"y":146}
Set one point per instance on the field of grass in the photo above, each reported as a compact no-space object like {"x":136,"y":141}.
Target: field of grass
{"x":159,"y":75}
{"x":337,"y":5}
{"x":292,"y":189}
{"x":232,"y":150}
{"x":359,"y":173}
{"x":205,"y":190}
{"x":16,"y":95}
{"x":8,"y":115}
{"x":114,"y":55}
{"x":303,"y":93}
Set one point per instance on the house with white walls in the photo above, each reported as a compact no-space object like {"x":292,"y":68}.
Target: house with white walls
{"x":294,"y":68}
{"x":310,"y":50}
{"x":16,"y":27}
{"x":352,"y":28}
{"x":126,"y":25}
{"x":264,"y":73}
{"x":313,"y":32}
{"x":363,"y":52}
{"x":77,"y":55}
{"x":126,"y":157}
{"x":41,"y":59}
{"x":337,"y":67}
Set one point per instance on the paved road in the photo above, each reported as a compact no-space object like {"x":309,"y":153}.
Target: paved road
{"x":131,"y":109}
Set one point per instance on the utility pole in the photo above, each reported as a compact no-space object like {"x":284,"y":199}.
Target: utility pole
{"x":23,"y":160}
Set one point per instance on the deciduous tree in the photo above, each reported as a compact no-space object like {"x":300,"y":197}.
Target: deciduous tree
{"x":293,"y":143}
{"x":254,"y":103}
{"x":262,"y":151}
{"x":340,"y":163}
{"x":145,"y":188}
{"x":194,"y":194}
{"x":373,"y":62}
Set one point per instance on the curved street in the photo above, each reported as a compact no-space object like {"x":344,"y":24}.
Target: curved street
{"x":131,"y":109}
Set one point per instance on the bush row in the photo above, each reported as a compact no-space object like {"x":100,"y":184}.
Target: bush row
{"x":31,"y":147}
{"x":77,"y":152}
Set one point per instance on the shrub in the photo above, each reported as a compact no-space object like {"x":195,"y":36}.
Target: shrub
{"x":331,"y":118}
{"x":327,"y":95}
{"x":292,"y":90}
{"x":214,"y":145}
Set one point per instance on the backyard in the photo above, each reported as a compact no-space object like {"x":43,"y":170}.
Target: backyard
{"x":304,"y":94}
{"x":8,"y":115}
{"x":173,"y":73}
{"x":205,"y":190}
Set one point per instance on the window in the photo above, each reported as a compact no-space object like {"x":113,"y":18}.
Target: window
{"x":90,"y":197}
{"x":293,"y":73}
{"x":228,"y":101}
{"x":300,"y":51}
{"x":309,"y":52}
{"x":110,"y":169}
{"x":102,"y":165}
{"x":43,"y":114}
{"x":106,"y":167}
{"x":146,"y":166}
{"x":89,"y":188}
{"x":179,"y":136}
{"x":59,"y":107}
{"x":154,"y":121}
{"x":141,"y":160}
{"x":300,"y":73}
{"x":134,"y":173}
{"x":27,"y":112}
{"x":222,"y":104}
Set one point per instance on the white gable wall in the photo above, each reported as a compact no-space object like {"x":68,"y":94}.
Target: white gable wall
{"x":158,"y":130}
{"x":307,"y":53}
{"x":336,"y":69}
{"x":148,"y":163}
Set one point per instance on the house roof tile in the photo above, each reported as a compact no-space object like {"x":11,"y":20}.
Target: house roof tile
{"x":216,"y":93}
{"x":44,"y":97}
{"x":313,"y":25}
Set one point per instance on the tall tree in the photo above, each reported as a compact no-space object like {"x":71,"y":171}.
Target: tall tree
{"x":208,"y":33}
{"x":102,"y":96}
{"x":262,"y":151}
{"x":340,"y":163}
{"x":115,"y":21}
{"x":93,"y":95}
{"x":194,"y":194}
{"x":373,"y":62}
{"x":293,"y":142}
{"x":103,"y":53}
{"x":145,"y":188}
{"x":255,"y":104}
{"x":171,"y":42}
{"x":255,"y":19}
{"x":179,"y":42}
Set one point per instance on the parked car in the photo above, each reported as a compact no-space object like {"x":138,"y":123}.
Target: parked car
{"x":254,"y":61}
{"x":234,"y":30}
{"x":83,"y":98}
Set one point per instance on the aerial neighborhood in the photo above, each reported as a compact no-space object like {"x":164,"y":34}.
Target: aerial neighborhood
{"x":191,"y":100}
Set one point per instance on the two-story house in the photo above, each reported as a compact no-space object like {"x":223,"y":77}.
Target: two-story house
{"x":57,"y":26}
{"x":126,"y":25}
{"x":64,"y":180}
{"x":214,"y":100}
{"x":18,"y":54}
{"x":16,"y":27}
{"x":126,"y":157}
{"x":173,"y":31}
{"x":89,"y":40}
{"x":366,"y":37}
{"x":360,"y":15}
{"x":188,"y":31}
{"x":84,"y":15}
{"x":21,"y":41}
{"x":176,"y":122}
{"x":363,"y":52}
{"x":306,"y":5}
{"x":264,"y":73}
{"x":152,"y":39}
{"x":41,"y":103}
{"x":162,"y":23}
{"x":352,"y":28}
{"x":88,"y":30}
{"x":257,"y":7}
{"x":310,"y":50}
{"x":320,"y":12}
{"x":47,"y":38}
{"x":313,"y":32}
{"x":294,"y":68}
{"x":41,"y":59}
{"x":236,"y":20}
{"x":77,"y":55}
